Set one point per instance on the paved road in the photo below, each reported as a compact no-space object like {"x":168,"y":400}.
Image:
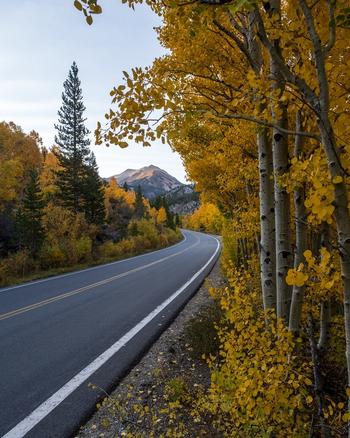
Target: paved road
{"x":59,"y":334}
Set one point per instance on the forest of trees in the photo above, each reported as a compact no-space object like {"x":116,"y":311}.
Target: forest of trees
{"x":55,"y":210}
{"x":255,"y":96}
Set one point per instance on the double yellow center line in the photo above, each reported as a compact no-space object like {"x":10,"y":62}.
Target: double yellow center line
{"x":88,"y":287}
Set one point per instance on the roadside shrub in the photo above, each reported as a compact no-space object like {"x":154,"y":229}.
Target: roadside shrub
{"x":259,"y":387}
{"x":110,"y":249}
{"x":84,"y":249}
{"x":176,"y":390}
{"x":51,"y":255}
{"x":16,"y":265}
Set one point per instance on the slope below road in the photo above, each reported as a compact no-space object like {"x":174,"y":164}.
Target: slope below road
{"x":58,"y":334}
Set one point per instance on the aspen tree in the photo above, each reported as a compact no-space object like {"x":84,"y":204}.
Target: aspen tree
{"x":300,"y":234}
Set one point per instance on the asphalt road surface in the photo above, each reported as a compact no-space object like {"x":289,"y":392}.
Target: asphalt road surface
{"x":59,"y":334}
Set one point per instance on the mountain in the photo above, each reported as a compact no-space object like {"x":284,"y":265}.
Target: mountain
{"x":152,"y":180}
{"x":183,"y":200}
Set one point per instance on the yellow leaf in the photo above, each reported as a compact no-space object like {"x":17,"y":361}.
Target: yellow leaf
{"x":337,"y":179}
{"x":78,"y":5}
{"x":346,"y":416}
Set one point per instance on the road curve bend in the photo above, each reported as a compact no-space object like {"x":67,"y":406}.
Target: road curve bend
{"x":60,"y":333}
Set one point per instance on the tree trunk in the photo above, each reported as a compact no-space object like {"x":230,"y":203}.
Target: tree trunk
{"x":326,"y":309}
{"x":267,"y":222}
{"x":325,"y":323}
{"x":318,"y":384}
{"x":282,"y":215}
{"x":267,"y":246}
{"x":342,"y":217}
{"x":280,"y":164}
{"x":300,"y":236}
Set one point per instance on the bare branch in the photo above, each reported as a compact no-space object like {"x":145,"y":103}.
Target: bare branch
{"x":332,"y":27}
{"x":268,"y":125}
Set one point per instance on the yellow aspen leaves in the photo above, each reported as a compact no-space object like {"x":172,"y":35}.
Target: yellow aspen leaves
{"x":296,"y":278}
{"x":320,"y":274}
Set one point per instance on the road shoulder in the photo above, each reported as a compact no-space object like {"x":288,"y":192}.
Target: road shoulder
{"x":169,"y":363}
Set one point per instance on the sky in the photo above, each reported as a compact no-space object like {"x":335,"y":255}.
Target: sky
{"x":39,"y":41}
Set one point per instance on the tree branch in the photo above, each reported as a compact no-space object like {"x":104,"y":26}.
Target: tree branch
{"x":239,"y":43}
{"x":290,"y":77}
{"x":332,"y":26}
{"x":319,"y":56}
{"x":268,"y":125}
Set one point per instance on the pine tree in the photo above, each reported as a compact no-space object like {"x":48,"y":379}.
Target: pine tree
{"x":93,"y":194}
{"x":72,"y":140}
{"x":177,"y":220}
{"x":29,"y":229}
{"x":139,"y":211}
{"x":80,"y":186}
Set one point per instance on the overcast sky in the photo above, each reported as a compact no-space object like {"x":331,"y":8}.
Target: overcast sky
{"x":39,"y":41}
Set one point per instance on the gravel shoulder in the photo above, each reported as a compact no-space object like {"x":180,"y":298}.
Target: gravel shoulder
{"x":169,"y":374}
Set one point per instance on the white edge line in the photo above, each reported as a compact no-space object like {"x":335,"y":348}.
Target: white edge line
{"x":54,"y":277}
{"x":52,"y":402}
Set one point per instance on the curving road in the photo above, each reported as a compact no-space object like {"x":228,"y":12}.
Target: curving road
{"x":59,"y":334}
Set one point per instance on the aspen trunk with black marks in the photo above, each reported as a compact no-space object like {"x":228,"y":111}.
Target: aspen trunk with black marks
{"x":267,"y":244}
{"x":282,"y":220}
{"x":300,"y":236}
{"x":280,"y":165}
{"x":267,"y":222}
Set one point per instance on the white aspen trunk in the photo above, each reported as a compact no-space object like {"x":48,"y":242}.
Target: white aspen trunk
{"x":300,"y":236}
{"x":282,"y":220}
{"x":280,"y":165}
{"x":267,"y":244}
{"x":267,"y":222}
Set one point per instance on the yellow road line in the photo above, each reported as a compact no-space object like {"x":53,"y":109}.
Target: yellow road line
{"x":88,"y":287}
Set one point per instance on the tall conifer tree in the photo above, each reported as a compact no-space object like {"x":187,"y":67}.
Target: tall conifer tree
{"x":73,"y":144}
{"x":80,"y":187}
